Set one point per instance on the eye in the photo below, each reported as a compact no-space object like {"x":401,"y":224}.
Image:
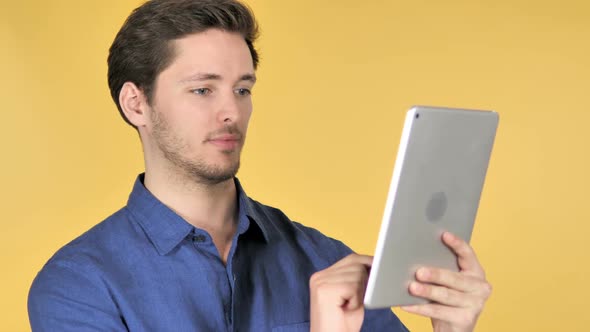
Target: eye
{"x":243,"y":92}
{"x":201,"y":91}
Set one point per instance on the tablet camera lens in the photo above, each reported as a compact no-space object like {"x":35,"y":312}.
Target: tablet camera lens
{"x":417,"y":115}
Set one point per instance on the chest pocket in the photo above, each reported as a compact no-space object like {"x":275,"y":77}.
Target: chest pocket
{"x":299,"y":327}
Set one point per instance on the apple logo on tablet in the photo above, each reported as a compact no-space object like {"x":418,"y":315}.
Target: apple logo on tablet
{"x":437,"y":206}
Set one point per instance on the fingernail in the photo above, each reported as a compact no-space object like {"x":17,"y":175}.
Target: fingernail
{"x":450,"y":238}
{"x":415,"y":287}
{"x":423,"y":273}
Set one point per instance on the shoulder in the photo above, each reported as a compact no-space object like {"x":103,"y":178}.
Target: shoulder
{"x":105,"y":238}
{"x":72,"y":282}
{"x":86,"y":256}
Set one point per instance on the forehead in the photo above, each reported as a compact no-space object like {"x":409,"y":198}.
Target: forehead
{"x":214,"y":51}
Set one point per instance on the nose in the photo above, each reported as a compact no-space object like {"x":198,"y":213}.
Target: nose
{"x":229,"y":111}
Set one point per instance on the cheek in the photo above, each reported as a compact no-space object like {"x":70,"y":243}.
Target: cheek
{"x":188,"y":128}
{"x":190,"y":109}
{"x":246,"y":114}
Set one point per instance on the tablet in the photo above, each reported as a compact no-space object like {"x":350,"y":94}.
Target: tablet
{"x":436,"y":186}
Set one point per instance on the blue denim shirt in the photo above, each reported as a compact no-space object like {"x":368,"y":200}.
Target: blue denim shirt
{"x":146,"y":269}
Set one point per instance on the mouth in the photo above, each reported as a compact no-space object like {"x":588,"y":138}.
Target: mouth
{"x":226,"y":142}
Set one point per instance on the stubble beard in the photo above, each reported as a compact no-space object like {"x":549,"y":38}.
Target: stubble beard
{"x":175,"y":150}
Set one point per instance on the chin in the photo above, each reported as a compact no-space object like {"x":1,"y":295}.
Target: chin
{"x":216,"y":173}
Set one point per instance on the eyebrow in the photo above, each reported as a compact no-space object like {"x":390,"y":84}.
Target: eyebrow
{"x":216,"y":77}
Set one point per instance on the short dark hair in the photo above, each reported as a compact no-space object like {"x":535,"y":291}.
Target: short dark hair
{"x":142,"y":48}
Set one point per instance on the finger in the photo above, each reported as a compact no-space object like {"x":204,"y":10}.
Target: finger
{"x":451,"y":279}
{"x":465,"y":255}
{"x":356,"y":268}
{"x":345,"y":295}
{"x":444,"y":295}
{"x":353,"y":274}
{"x":459,"y":317}
{"x":355,"y":300}
{"x":354,"y":259}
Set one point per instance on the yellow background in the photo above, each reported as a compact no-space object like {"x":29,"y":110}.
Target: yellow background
{"x":335,"y":80}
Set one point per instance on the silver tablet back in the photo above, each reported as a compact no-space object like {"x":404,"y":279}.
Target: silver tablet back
{"x":436,"y":186}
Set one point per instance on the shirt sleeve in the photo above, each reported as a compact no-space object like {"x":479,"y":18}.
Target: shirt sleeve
{"x":65,"y":298}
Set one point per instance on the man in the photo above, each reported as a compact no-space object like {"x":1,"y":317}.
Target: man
{"x":192,"y":252}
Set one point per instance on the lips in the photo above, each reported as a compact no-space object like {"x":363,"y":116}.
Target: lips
{"x":226,"y":137}
{"x":226,"y":141}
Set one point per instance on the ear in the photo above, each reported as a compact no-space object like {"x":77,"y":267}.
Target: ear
{"x":134,"y":104}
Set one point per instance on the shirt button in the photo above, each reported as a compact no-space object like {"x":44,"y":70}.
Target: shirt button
{"x":199,"y":238}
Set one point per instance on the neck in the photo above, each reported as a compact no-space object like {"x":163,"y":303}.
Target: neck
{"x":211,"y":207}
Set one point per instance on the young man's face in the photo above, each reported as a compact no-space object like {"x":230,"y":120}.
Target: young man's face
{"x":201,"y":106}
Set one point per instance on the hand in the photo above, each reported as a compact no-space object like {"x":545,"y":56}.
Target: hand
{"x":458,"y":297}
{"x":337,"y":293}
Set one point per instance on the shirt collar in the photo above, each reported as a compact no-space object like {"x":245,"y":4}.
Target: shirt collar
{"x":247,"y":208}
{"x":166,"y":229}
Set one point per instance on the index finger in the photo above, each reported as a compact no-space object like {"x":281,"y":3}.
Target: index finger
{"x":355,"y":259}
{"x":466,"y":257}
